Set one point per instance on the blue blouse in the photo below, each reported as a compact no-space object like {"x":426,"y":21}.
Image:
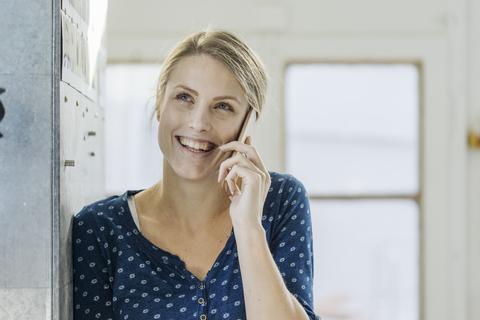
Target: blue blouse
{"x":119,"y":274}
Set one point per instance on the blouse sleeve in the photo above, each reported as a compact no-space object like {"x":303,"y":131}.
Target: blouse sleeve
{"x":92,"y":290}
{"x":291,"y":238}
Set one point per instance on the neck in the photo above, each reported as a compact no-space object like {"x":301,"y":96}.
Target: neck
{"x":188,"y":203}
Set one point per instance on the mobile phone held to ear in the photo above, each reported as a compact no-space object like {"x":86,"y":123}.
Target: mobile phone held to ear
{"x":247,"y":130}
{"x":248,"y":126}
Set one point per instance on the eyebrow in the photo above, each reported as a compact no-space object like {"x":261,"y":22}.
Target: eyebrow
{"x":214,"y":99}
{"x":226,"y":97}
{"x":188,"y":89}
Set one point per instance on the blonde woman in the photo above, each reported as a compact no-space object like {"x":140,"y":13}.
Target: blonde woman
{"x":195,"y":246}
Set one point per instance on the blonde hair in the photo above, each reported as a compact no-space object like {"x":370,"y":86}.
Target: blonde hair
{"x":227,"y":48}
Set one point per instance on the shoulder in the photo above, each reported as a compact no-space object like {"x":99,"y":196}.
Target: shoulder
{"x":105,"y":211}
{"x":286,"y":208}
{"x":286,"y":185}
{"x":286,"y":195}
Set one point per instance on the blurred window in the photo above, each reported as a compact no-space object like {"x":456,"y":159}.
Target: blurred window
{"x":352,"y":133}
{"x":132,"y":156}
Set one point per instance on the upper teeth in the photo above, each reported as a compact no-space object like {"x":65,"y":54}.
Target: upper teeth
{"x":195,"y":144}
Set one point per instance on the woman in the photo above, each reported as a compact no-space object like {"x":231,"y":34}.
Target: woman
{"x":195,"y":246}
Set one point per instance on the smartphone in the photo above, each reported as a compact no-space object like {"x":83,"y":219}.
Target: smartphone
{"x":247,"y":130}
{"x":248,"y":126}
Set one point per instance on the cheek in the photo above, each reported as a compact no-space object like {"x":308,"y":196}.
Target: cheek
{"x":165,"y":126}
{"x":231,"y":132}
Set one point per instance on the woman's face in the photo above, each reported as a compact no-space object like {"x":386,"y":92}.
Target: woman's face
{"x":203,"y":108}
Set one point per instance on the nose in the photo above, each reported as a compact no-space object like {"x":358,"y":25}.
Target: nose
{"x":199,"y":118}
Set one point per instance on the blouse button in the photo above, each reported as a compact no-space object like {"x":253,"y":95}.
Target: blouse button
{"x":201,"y":301}
{"x":200,"y":285}
{"x":203,"y":317}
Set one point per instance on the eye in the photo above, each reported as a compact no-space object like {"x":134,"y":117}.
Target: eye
{"x":225,"y":106}
{"x":183,"y":97}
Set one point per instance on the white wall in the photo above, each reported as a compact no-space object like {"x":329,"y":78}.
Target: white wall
{"x":442,"y":36}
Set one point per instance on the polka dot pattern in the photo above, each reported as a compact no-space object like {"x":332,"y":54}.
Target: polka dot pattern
{"x":119,"y":274}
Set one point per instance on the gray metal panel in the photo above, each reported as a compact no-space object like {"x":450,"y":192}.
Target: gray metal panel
{"x":81,"y":178}
{"x":26,"y":37}
{"x":25,"y":159}
{"x":25,"y":175}
{"x":38,"y":194}
{"x":80,"y":170}
{"x":24,"y":304}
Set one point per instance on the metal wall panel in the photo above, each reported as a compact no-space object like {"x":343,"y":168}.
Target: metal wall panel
{"x":26,"y":159}
{"x":25,"y":175}
{"x":26,"y":37}
{"x":81,"y":177}
{"x":25,"y":304}
{"x":47,"y":123}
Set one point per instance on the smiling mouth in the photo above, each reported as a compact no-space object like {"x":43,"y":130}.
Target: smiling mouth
{"x":196,"y":146}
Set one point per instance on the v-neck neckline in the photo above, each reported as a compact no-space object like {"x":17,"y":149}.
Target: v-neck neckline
{"x":160,"y":254}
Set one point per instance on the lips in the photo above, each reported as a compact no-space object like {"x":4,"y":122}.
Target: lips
{"x":198,"y":146}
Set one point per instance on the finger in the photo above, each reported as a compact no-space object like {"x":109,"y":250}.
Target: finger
{"x":249,"y":151}
{"x":248,"y":177}
{"x":249,"y":140}
{"x":226,"y":187}
{"x":238,"y":159}
{"x":231,"y":183}
{"x":235,"y":146}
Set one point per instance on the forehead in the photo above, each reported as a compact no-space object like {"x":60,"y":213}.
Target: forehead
{"x":207,"y":76}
